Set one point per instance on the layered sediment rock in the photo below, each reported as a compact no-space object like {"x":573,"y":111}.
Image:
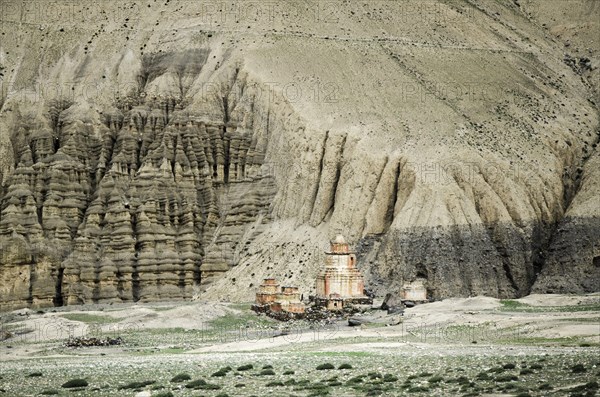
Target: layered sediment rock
{"x":449,"y":143}
{"x":134,"y":208}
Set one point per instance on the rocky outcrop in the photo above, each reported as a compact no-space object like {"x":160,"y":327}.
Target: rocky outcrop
{"x":169,"y":156}
{"x":133,"y":209}
{"x":576,"y":240}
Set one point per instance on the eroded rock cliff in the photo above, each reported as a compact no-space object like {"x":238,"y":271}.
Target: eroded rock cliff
{"x":168,"y":151}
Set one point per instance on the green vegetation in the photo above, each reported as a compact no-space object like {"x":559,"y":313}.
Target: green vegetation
{"x":35,"y":374}
{"x":222,"y":372}
{"x":236,"y":321}
{"x":275,"y":383}
{"x":325,"y":366}
{"x":356,"y":379}
{"x":510,"y":305}
{"x":75,"y":383}
{"x":545,"y":386}
{"x":506,"y":378}
{"x":181,"y":378}
{"x":390,"y":378}
{"x":90,"y":318}
{"x":49,"y":392}
{"x":418,"y":389}
{"x":590,"y":388}
{"x":136,"y":385}
{"x":208,"y":386}
{"x":578,"y":368}
{"x":565,"y":371}
{"x":195,"y":383}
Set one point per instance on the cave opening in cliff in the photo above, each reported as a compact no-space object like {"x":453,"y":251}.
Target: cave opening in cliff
{"x":596,"y":261}
{"x":422,"y":271}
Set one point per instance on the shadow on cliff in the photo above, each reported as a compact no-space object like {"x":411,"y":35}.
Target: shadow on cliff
{"x":499,"y":260}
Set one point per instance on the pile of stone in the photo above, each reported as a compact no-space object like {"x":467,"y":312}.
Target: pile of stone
{"x":91,"y":341}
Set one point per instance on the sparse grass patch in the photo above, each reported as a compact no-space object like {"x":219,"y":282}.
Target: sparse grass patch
{"x":49,"y":392}
{"x":222,"y":372}
{"x":418,"y":389}
{"x":545,"y":386}
{"x":464,"y":372}
{"x":461,"y":380}
{"x":35,"y":375}
{"x":236,"y":321}
{"x":275,"y":383}
{"x":345,"y":366}
{"x":578,"y":369}
{"x":195,"y":383}
{"x":267,"y":371}
{"x":136,"y":385}
{"x":75,"y":383}
{"x":208,"y":386}
{"x":181,"y":378}
{"x":515,"y":306}
{"x":506,"y":378}
{"x":90,"y":318}
{"x":245,"y":367}
{"x":589,"y":387}
{"x":356,"y":379}
{"x":315,"y":389}
{"x":510,"y":304}
{"x":389,"y":378}
{"x":325,"y":366}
